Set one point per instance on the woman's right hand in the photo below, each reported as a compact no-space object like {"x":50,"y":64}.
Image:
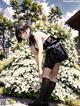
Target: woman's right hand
{"x":40,"y":73}
{"x":40,"y":76}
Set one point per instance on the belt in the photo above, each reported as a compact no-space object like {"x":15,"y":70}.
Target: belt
{"x":50,"y":41}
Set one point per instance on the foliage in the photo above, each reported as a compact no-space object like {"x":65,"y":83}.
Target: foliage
{"x":72,"y":102}
{"x":6,"y":29}
{"x":54,"y":14}
{"x":5,"y":63}
{"x":60,"y":31}
{"x":2,"y":90}
{"x":11,"y":101}
{"x":21,"y":76}
{"x":31,"y":10}
{"x":16,"y":8}
{"x":4,"y":22}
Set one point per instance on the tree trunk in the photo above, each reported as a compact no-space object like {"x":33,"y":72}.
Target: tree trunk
{"x":3,"y":41}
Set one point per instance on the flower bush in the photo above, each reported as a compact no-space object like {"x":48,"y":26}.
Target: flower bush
{"x":60,"y":30}
{"x":22,"y":73}
{"x":21,"y":76}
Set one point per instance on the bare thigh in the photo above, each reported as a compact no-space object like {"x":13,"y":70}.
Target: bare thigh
{"x":55,"y":71}
{"x":47,"y":72}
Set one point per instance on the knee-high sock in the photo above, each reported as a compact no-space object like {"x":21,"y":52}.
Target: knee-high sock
{"x":40,"y":101}
{"x":50,"y":90}
{"x":44,"y":88}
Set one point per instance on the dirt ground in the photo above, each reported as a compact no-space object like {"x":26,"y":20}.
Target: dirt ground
{"x":11,"y":101}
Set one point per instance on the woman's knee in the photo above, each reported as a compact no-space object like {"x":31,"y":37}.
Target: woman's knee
{"x":54,"y":72}
{"x":55,"y":69}
{"x":46,"y":72}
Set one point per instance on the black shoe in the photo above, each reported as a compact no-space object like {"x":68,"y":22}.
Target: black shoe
{"x":34,"y":104}
{"x":44,"y":104}
{"x":39,"y":104}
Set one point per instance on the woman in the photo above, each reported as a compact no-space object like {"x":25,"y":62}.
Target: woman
{"x":39,"y":42}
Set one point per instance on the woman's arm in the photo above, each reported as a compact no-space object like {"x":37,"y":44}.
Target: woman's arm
{"x":40,"y":53}
{"x":35,"y":52}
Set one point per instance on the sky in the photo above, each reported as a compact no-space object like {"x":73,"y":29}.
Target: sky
{"x":68,"y":7}
{"x":65,"y":5}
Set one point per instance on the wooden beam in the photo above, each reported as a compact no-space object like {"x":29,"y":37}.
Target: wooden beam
{"x":74,"y":21}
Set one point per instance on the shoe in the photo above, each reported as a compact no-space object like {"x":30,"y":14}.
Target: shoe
{"x":39,"y":104}
{"x":44,"y":104}
{"x":34,"y":104}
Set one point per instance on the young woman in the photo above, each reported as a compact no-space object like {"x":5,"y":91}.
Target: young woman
{"x":38,"y":43}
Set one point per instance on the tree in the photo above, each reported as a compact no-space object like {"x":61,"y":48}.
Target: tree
{"x":32,"y":10}
{"x":16,"y":8}
{"x":2,"y":28}
{"x":6,"y":27}
{"x":54,"y":14}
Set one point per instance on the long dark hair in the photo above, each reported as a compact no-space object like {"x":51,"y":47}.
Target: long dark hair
{"x":20,"y":29}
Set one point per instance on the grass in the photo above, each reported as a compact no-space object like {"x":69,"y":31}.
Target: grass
{"x":72,"y":102}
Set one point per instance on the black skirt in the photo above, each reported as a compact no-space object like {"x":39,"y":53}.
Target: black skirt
{"x":49,"y":53}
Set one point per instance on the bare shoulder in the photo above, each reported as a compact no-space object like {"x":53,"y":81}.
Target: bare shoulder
{"x":39,"y":34}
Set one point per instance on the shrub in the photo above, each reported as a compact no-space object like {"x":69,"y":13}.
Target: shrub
{"x":21,"y":77}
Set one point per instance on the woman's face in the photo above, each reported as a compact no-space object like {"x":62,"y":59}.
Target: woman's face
{"x":25,"y":35}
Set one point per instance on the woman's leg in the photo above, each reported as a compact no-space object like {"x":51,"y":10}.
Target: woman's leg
{"x":47,"y":73}
{"x":45,"y":83}
{"x":53,"y":80}
{"x":54,"y":72}
{"x":48,"y":82}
